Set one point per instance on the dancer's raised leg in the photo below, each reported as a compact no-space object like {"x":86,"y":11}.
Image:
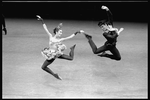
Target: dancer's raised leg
{"x":71,"y":54}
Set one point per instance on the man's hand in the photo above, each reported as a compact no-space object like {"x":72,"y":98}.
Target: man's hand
{"x":121,"y":29}
{"x":105,"y":8}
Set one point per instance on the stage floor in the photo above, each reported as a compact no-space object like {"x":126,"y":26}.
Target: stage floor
{"x":87,"y":76}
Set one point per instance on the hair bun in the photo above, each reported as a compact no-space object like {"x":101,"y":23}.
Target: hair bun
{"x":58,"y":28}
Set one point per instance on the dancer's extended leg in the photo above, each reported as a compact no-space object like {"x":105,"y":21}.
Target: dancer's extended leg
{"x":115,"y":54}
{"x":93,"y":46}
{"x":70,"y":56}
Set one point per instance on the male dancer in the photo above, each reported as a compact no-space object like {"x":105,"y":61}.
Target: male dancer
{"x":111,"y":34}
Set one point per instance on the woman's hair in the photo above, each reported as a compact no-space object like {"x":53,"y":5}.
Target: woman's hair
{"x":57,"y":28}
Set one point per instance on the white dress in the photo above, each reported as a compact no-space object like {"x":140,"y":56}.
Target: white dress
{"x":55,"y":48}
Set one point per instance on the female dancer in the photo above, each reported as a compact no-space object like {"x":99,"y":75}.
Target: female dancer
{"x":111,"y":34}
{"x":55,"y":48}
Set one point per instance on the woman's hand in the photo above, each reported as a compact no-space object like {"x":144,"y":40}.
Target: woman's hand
{"x":39,"y":18}
{"x":81,"y":31}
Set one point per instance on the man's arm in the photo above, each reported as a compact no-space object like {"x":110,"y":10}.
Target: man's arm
{"x":71,"y":36}
{"x":108,"y":35}
{"x":109,"y":14}
{"x":121,"y":29}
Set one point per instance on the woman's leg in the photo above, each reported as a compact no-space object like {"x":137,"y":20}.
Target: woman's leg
{"x":45,"y":68}
{"x":70,"y":56}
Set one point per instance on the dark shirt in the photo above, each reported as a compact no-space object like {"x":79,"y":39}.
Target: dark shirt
{"x":111,"y":37}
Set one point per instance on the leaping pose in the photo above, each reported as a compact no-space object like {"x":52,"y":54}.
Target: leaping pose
{"x":56,"y":48}
{"x":111,"y":34}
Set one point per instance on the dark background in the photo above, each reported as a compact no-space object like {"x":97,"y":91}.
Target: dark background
{"x":122,"y":11}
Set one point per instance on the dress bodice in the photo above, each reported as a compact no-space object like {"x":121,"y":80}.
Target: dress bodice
{"x":56,"y":44}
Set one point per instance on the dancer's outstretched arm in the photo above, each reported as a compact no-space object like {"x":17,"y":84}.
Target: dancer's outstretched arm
{"x":71,"y":36}
{"x":109,"y":14}
{"x":44,"y":26}
{"x":121,"y":29}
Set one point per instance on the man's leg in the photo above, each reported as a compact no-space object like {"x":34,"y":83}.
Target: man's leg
{"x":93,"y":46}
{"x":115,"y":54}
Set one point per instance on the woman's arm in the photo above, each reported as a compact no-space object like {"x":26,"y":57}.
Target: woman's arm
{"x":71,"y":36}
{"x":44,"y":26}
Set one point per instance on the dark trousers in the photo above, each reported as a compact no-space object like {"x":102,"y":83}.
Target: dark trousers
{"x":112,"y":48}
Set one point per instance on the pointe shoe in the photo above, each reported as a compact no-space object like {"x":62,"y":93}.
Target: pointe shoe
{"x":73,"y":46}
{"x":57,"y":76}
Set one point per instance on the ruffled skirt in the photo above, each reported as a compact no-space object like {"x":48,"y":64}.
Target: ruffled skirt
{"x":51,"y":53}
